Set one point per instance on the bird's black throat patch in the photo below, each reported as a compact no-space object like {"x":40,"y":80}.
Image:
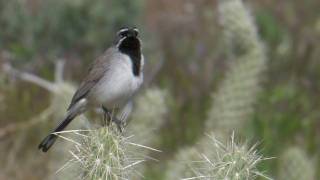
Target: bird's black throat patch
{"x":131,"y":47}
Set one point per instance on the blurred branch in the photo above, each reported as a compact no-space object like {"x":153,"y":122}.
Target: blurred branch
{"x":51,"y":87}
{"x":8,"y":69}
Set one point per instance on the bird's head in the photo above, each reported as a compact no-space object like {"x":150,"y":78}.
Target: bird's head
{"x":128,"y":38}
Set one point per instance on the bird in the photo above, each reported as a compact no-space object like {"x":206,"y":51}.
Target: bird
{"x":111,"y":82}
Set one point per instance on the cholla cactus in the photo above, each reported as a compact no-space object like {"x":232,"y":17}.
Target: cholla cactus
{"x":239,"y":29}
{"x":296,"y":165}
{"x":101,"y":154}
{"x":233,"y":103}
{"x":213,"y":159}
{"x":230,"y":160}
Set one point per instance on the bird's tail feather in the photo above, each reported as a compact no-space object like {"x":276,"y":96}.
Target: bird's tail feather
{"x":48,"y":141}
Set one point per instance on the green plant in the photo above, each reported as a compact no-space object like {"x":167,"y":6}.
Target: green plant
{"x":55,"y":27}
{"x":296,"y":165}
{"x":100,"y":154}
{"x":213,"y":159}
{"x":234,"y":100}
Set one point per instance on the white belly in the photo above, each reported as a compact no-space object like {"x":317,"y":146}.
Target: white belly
{"x":118,"y":85}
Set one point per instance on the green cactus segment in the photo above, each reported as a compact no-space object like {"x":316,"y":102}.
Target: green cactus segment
{"x":230,"y":160}
{"x":213,"y":159}
{"x":100,"y":155}
{"x":296,"y":165}
{"x":233,"y":102}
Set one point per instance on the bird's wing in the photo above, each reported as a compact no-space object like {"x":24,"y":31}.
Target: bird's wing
{"x":96,"y":72}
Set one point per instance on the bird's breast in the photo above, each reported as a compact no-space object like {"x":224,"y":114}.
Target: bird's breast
{"x":118,"y":84}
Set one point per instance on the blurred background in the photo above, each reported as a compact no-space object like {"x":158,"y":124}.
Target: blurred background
{"x":194,"y":70}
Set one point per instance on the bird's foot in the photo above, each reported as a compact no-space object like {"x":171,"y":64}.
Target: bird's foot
{"x":118,"y":123}
{"x":107,"y":118}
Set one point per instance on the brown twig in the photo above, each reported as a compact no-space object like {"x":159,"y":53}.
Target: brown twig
{"x":9,"y":70}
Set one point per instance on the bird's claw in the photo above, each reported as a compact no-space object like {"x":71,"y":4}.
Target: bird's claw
{"x":107,"y":118}
{"x":118,"y":123}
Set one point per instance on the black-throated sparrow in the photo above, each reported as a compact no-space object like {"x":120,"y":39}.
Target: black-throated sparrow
{"x":111,"y":82}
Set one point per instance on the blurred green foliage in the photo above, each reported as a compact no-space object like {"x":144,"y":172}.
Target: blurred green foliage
{"x":55,"y":27}
{"x":269,"y":28}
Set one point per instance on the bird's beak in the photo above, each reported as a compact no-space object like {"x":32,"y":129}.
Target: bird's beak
{"x":131,"y":34}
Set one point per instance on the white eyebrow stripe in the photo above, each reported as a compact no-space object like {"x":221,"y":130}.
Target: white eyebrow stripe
{"x":123,"y":30}
{"x":136,"y":29}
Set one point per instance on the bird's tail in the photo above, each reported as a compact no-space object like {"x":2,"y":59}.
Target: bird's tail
{"x":48,"y":141}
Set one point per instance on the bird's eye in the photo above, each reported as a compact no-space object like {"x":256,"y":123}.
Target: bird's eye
{"x":123,"y":34}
